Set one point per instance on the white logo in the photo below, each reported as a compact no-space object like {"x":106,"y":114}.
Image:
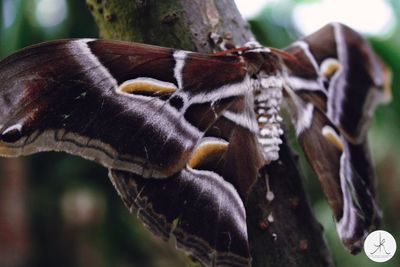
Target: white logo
{"x":380,"y":246}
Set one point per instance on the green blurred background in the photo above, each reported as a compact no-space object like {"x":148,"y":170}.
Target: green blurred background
{"x":60,"y":210}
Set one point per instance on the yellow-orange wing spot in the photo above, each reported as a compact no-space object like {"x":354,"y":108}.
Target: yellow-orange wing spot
{"x":207,"y":151}
{"x":329,"y":66}
{"x":387,"y":84}
{"x":147,"y":85}
{"x":330,"y":135}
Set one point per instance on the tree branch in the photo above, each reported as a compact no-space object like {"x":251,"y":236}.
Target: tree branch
{"x":282,"y":232}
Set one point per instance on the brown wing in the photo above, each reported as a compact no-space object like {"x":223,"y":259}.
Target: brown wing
{"x":334,"y":83}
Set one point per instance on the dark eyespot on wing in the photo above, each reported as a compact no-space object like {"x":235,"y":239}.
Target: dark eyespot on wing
{"x":176,"y":102}
{"x":11,"y":134}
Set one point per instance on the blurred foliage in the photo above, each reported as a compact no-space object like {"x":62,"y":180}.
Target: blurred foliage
{"x":110,"y":236}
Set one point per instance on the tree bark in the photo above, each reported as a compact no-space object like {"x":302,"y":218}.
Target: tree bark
{"x":282,"y":232}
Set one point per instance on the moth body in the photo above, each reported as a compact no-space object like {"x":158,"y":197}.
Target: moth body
{"x":267,"y":100}
{"x":264,"y":68}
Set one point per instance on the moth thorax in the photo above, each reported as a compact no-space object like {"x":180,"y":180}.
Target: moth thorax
{"x":267,"y":105}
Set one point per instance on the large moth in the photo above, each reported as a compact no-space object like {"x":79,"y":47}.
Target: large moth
{"x":184,"y":134}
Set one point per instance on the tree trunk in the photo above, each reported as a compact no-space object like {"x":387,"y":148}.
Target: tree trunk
{"x":282,"y":232}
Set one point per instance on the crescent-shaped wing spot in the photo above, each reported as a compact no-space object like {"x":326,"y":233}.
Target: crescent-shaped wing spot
{"x":146,"y":85}
{"x":387,"y":85}
{"x":329,"y":67}
{"x":207,"y":151}
{"x":330,"y":134}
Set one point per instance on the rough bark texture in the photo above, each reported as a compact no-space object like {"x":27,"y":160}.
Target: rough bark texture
{"x":282,"y":232}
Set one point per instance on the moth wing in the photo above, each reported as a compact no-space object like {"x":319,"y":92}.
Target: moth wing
{"x":123,"y":105}
{"x":332,"y":99}
{"x":356,"y":79}
{"x":197,"y":208}
{"x":145,"y":113}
